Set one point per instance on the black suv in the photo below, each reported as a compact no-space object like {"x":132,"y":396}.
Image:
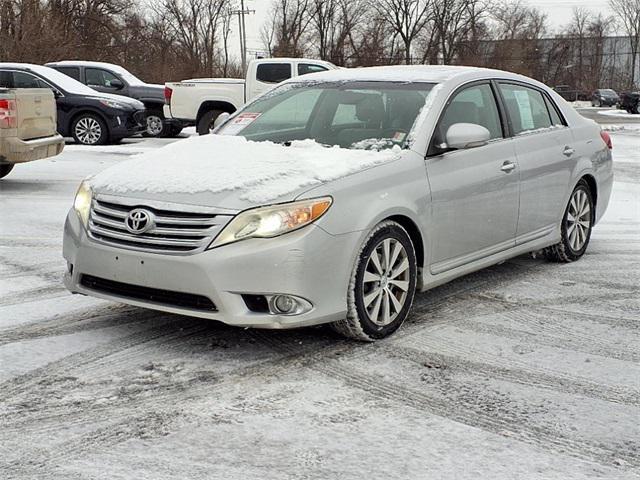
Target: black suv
{"x":604,"y":97}
{"x":90,"y":117}
{"x":630,"y":101}
{"x":109,"y":78}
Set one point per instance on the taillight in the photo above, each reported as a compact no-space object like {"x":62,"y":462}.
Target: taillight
{"x":8,"y":117}
{"x":606,"y":138}
{"x":167,"y":95}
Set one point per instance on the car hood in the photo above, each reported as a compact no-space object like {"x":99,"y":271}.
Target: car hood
{"x":129,"y":102}
{"x":232,"y":173}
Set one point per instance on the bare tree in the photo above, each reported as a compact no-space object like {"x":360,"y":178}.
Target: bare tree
{"x":289,"y":20}
{"x":406,"y":18}
{"x":628,"y":13}
{"x":453,"y":22}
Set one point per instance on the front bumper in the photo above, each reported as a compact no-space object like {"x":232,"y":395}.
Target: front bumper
{"x":308,"y":263}
{"x":16,"y":150}
{"x":128,"y":123}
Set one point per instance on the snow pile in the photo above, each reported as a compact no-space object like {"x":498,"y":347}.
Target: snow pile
{"x":258,"y":171}
{"x":619,"y":113}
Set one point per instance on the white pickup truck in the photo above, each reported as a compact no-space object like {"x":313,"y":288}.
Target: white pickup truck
{"x":200,"y":101}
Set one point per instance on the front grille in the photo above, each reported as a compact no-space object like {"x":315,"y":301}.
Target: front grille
{"x":174,"y":232}
{"x":155,"y":295}
{"x":138,"y":119}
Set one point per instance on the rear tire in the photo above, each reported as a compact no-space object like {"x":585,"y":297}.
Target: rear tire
{"x":89,"y":129}
{"x":5,"y":169}
{"x":205,"y":124}
{"x":175,"y":131}
{"x":575,"y":230}
{"x":382,"y":286}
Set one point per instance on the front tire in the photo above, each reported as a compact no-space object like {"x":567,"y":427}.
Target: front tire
{"x":576,"y":227}
{"x":205,"y":124}
{"x":89,"y":129}
{"x":156,"y":125}
{"x":382,"y":286}
{"x":5,"y":169}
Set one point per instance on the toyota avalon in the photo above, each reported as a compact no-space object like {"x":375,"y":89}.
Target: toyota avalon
{"x":336,"y":196}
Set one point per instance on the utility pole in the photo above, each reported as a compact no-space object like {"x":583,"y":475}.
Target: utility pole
{"x":243,"y":34}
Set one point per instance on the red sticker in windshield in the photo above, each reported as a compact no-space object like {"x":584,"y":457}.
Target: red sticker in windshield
{"x":239,"y":123}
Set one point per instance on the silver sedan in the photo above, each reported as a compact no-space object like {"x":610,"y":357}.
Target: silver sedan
{"x":336,"y":196}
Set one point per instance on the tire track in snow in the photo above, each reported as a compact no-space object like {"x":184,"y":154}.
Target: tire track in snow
{"x":76,"y":321}
{"x":519,"y":429}
{"x":522,"y":376}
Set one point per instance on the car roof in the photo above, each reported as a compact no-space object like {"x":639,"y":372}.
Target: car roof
{"x":85,"y":63}
{"x":409,"y":73}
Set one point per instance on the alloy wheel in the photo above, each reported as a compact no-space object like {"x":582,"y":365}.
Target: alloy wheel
{"x":578,"y":220}
{"x":385,"y":281}
{"x":88,"y":130}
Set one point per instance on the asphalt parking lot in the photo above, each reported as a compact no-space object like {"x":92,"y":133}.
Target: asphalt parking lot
{"x":528,"y":369}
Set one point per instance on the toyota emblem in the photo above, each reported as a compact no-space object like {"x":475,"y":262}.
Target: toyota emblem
{"x":138,"y":220}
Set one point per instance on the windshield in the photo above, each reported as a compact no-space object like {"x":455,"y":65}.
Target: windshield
{"x":354,"y":115}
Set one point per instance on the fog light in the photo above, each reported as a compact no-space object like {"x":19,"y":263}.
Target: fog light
{"x":281,"y":304}
{"x":284,"y":304}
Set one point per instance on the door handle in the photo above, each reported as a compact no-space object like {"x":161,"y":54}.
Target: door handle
{"x":507,"y":166}
{"x":568,"y":151}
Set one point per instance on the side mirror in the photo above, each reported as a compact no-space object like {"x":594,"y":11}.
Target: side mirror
{"x":56,"y":93}
{"x":467,"y":135}
{"x":223,"y":117}
{"x":117,"y":84}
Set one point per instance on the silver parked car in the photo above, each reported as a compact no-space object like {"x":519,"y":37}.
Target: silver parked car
{"x":337,"y":195}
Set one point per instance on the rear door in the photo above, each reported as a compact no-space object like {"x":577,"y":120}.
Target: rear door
{"x":543,"y":144}
{"x":268,"y":75}
{"x":474,"y":191}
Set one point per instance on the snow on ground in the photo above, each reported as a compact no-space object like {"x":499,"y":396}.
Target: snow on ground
{"x":526,"y":370}
{"x":618,"y":113}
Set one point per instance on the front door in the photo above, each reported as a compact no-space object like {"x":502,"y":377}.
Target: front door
{"x":104,"y":81}
{"x":474,"y":191}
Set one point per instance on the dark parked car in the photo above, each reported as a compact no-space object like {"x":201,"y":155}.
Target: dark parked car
{"x":110,"y":78}
{"x":630,"y":101}
{"x":604,"y":97}
{"x":90,"y":117}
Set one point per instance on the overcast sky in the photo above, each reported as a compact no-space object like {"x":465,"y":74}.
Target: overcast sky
{"x":558,"y":12}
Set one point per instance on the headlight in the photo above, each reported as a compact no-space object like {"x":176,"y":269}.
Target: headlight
{"x":82,"y":202}
{"x":266,"y":222}
{"x":113,"y":104}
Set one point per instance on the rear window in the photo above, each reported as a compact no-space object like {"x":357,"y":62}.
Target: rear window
{"x":304,"y":68}
{"x":73,"y":72}
{"x":526,"y":107}
{"x":273,"y":72}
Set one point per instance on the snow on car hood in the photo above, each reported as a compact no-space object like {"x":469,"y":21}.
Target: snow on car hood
{"x":232,"y":172}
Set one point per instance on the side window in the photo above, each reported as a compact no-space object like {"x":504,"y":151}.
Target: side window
{"x":6,"y":80}
{"x":25,"y":80}
{"x":526,"y":107}
{"x":99,"y":78}
{"x":273,"y":72}
{"x":475,"y":104}
{"x":73,"y":72}
{"x":304,"y":68}
{"x":553,"y":111}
